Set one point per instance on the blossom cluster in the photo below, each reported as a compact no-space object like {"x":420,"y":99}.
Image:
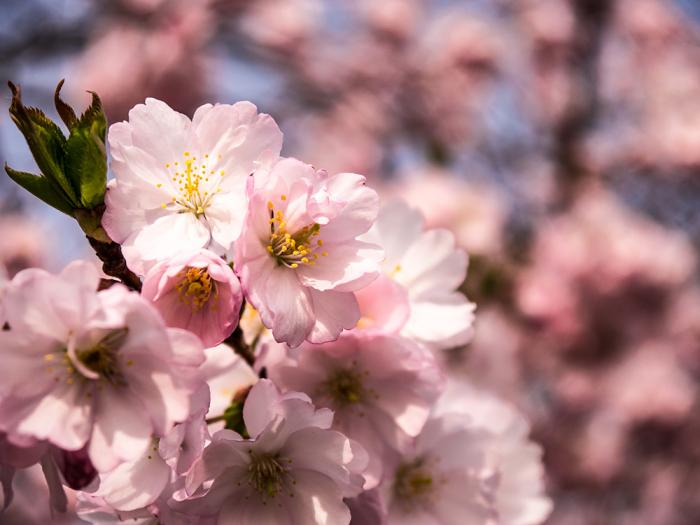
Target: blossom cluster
{"x":281,"y":363}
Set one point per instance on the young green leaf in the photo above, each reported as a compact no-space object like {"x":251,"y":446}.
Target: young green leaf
{"x":40,"y":187}
{"x":64,"y":110}
{"x":46,"y":142}
{"x":86,"y":157}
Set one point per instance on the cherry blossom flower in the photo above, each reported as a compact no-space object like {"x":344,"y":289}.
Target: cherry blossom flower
{"x":180,"y":184}
{"x":512,"y":468}
{"x":85,"y":367}
{"x":227,"y":374}
{"x":298,"y":256}
{"x":367,"y":508}
{"x":23,"y":244}
{"x":381,"y":389}
{"x":59,"y":467}
{"x":13,"y":457}
{"x":438,"y":481}
{"x":431,"y":269}
{"x":475,"y":212}
{"x":295,"y":469}
{"x":142,"y":488}
{"x":197,"y":291}
{"x":384,"y":307}
{"x":253,"y":329}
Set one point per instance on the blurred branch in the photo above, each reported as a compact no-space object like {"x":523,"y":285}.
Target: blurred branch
{"x":43,"y":40}
{"x":592,"y":19}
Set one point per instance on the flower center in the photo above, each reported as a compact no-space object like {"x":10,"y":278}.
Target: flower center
{"x":293,"y":249}
{"x":196,"y":288}
{"x":266,"y":474}
{"x":414,"y":483}
{"x":345,"y":387}
{"x":190,"y":177}
{"x":102,"y":357}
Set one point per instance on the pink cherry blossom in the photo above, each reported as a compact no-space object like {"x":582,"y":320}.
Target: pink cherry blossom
{"x":142,"y":488}
{"x":23,"y":244}
{"x":254,"y":331}
{"x":282,"y":24}
{"x":384,"y":307}
{"x":512,"y":468}
{"x":180,"y":184}
{"x":294,"y":469}
{"x":475,"y":212}
{"x":381,"y":388}
{"x":367,"y":508}
{"x":431,"y":269}
{"x":438,"y":481}
{"x":13,"y":457}
{"x":85,"y":367}
{"x":298,"y":256}
{"x":196,"y":291}
{"x":227,"y":374}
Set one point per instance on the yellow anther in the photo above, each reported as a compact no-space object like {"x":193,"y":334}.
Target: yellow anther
{"x":283,"y":197}
{"x":325,"y":254}
{"x":270,"y":205}
{"x":294,"y":265}
{"x":196,"y":288}
{"x":319,"y":242}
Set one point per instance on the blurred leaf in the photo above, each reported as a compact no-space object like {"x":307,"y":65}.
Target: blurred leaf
{"x":233,"y":416}
{"x":46,"y":142}
{"x":42,"y":188}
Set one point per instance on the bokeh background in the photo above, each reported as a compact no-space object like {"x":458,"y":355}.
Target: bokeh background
{"x":558,"y":139}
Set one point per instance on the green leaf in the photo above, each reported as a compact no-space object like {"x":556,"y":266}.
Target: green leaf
{"x":64,"y":110}
{"x":86,"y":156}
{"x":42,"y":188}
{"x":233,"y":417}
{"x":94,"y":117}
{"x":86,"y":166}
{"x":46,"y":142}
{"x":90,"y":222}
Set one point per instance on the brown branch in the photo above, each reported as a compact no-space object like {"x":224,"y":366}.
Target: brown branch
{"x":592,"y":18}
{"x":113,"y":263}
